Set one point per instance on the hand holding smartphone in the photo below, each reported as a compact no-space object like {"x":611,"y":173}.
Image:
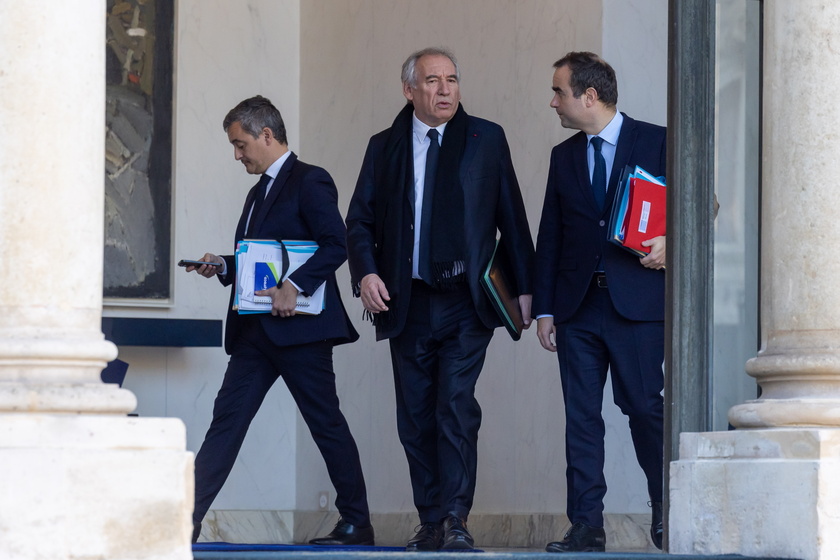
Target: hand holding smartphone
{"x":196,"y":264}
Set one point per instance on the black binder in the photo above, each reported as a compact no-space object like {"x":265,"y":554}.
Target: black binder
{"x":497,"y":282}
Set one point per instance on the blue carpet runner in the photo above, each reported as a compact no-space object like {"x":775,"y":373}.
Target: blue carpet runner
{"x":234,"y":547}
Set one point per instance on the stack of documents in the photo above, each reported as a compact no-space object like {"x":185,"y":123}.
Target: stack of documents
{"x":638,"y":212}
{"x":262,"y":264}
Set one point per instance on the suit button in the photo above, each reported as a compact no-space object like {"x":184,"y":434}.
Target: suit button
{"x":411,"y":227}
{"x":602,"y":223}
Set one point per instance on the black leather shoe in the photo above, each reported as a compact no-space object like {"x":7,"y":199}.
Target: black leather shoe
{"x":656,"y":524}
{"x":580,"y":538}
{"x":427,"y":539}
{"x":455,"y":534}
{"x":346,"y":534}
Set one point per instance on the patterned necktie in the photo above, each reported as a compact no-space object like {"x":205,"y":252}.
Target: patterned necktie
{"x":599,"y":173}
{"x":425,"y":266}
{"x":258,"y":201}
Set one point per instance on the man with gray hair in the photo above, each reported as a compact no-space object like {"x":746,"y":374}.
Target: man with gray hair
{"x":433,"y":191}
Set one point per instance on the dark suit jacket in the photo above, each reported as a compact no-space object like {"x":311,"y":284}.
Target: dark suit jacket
{"x":573,"y":232}
{"x":492,"y":202}
{"x":302,"y":204}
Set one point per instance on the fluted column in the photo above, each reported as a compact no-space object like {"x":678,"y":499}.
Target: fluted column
{"x":52,"y":68}
{"x":770,"y":488}
{"x":78,"y":477}
{"x":798,"y":366}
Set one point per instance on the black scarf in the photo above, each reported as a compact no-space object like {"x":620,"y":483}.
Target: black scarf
{"x":397,"y":183}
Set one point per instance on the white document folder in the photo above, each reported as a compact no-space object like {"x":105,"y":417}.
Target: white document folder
{"x":264,"y":263}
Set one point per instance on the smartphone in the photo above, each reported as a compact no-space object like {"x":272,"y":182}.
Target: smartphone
{"x":188,"y":262}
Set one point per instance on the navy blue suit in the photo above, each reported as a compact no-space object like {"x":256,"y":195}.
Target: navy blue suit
{"x":301,"y":204}
{"x":439,"y":338}
{"x":619,"y":327}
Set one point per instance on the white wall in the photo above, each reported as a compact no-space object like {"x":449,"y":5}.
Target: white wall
{"x":636,"y":45}
{"x":332,"y":67}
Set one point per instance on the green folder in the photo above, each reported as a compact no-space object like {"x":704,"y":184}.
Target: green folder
{"x":497,"y":281}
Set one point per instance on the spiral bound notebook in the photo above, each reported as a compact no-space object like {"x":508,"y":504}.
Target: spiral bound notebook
{"x":263,"y":263}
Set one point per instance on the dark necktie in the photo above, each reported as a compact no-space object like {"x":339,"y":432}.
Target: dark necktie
{"x":258,"y":201}
{"x":425,"y":266}
{"x":599,"y":173}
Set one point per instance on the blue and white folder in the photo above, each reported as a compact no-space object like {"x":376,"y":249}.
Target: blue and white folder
{"x":264,"y":263}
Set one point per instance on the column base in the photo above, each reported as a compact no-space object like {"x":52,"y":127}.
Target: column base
{"x":773,"y":413}
{"x":91,"y":486}
{"x":767,"y":493}
{"x":75,"y":398}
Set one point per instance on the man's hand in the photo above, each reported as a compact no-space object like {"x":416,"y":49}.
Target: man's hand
{"x":283,"y":299}
{"x":525,"y":308}
{"x":208,"y":271}
{"x":546,"y":332}
{"x":656,"y":258}
{"x":374,"y":293}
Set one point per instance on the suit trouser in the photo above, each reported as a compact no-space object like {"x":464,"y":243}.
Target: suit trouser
{"x":594,"y":339}
{"x":307,"y":370}
{"x":437,"y":359}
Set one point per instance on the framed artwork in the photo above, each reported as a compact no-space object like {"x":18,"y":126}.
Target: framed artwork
{"x":138,"y":150}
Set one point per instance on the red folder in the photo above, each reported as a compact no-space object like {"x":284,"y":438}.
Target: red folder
{"x":645,"y":214}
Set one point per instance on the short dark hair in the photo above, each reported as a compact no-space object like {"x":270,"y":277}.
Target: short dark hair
{"x":588,"y":70}
{"x":409,"y":67}
{"x":254,"y":114}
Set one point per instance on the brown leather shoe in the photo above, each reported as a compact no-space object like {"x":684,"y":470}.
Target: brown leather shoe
{"x":580,"y":538}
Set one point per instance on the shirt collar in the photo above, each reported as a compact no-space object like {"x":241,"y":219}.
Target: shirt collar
{"x":421,"y":129}
{"x":611,"y":131}
{"x":274,"y":168}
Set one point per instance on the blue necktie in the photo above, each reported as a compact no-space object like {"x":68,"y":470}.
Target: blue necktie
{"x":424,"y":267}
{"x":599,"y":173}
{"x":258,"y":201}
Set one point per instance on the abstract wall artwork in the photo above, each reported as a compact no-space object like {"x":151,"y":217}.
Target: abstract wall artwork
{"x":138,"y":149}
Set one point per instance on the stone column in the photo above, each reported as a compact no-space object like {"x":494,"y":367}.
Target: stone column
{"x":78,"y":478}
{"x":772,"y":487}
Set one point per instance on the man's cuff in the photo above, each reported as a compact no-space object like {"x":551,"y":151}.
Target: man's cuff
{"x":293,"y":284}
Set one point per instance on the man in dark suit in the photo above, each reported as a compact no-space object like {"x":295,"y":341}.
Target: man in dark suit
{"x":421,"y":229}
{"x":602,"y":306}
{"x":293,"y":200}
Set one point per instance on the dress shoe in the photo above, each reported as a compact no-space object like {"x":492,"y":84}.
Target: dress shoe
{"x":580,"y":538}
{"x":427,"y":539}
{"x":455,"y":534}
{"x":656,"y":524}
{"x":346,"y":534}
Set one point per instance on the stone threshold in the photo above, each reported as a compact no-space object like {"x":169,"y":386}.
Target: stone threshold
{"x":528,"y":532}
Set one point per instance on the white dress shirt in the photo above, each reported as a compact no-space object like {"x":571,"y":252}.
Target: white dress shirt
{"x":421,"y":144}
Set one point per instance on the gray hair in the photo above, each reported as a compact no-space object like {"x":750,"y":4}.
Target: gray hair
{"x":409,"y":67}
